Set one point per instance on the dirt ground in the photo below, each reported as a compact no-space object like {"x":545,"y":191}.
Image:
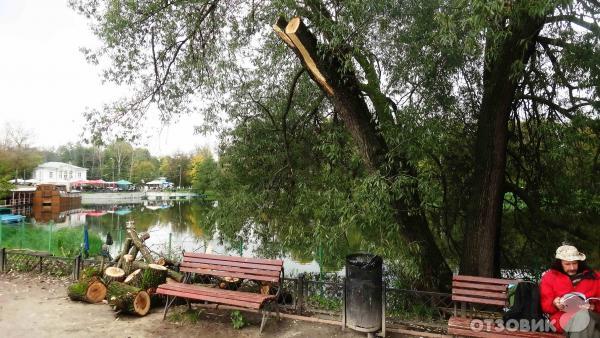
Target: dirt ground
{"x":37,"y":306}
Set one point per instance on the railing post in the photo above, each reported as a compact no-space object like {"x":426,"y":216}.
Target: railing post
{"x":76,"y":267}
{"x":300,"y":295}
{"x":383,"y":296}
{"x":3,"y":260}
{"x":344,"y":304}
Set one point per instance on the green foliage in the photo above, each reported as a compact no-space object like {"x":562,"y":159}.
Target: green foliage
{"x":237,"y":319}
{"x":324,"y":303}
{"x":64,"y":242}
{"x":291,"y":168}
{"x":185,"y":317}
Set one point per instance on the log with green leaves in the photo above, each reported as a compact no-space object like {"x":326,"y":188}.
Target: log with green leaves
{"x":128,"y":299}
{"x":171,"y":273}
{"x":87,"y":289}
{"x":153,"y":276}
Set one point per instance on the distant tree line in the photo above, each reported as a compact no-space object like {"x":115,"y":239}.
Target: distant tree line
{"x":111,"y":162}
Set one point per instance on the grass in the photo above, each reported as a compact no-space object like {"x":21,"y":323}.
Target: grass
{"x":63,"y":242}
{"x":185,"y":317}
{"x":324,"y":303}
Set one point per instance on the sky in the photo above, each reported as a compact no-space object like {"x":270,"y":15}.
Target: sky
{"x":46,"y":84}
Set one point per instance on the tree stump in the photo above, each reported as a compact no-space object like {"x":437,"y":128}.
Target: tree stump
{"x":153,"y":276}
{"x":134,"y":278}
{"x":89,"y":289}
{"x":113,"y":274}
{"x":128,"y":298}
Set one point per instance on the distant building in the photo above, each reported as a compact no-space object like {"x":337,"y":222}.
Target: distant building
{"x":159,"y":183}
{"x":59,"y":173}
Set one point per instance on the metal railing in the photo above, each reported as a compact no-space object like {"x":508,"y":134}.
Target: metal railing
{"x":45,"y":263}
{"x":305,"y":295}
{"x":302,"y":294}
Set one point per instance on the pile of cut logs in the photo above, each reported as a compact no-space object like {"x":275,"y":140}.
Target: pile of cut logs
{"x":130,"y":285}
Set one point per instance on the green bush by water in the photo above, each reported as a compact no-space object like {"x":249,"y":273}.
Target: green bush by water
{"x":64,"y":242}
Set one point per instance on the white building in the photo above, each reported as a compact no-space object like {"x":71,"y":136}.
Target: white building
{"x":59,"y":173}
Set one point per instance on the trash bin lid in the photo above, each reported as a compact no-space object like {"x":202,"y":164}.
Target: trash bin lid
{"x":364,"y":260}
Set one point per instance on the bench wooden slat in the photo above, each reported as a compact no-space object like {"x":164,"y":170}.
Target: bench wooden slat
{"x":213,"y":290}
{"x":190,"y":288}
{"x":231,"y":268}
{"x":479,"y":300}
{"x":276,"y":262}
{"x":462,"y":326}
{"x":230,"y":274}
{"x":482,"y":294}
{"x":189,"y":260}
{"x":484,"y":280}
{"x":214,"y":299}
{"x":466,"y":332}
{"x":486,"y":287}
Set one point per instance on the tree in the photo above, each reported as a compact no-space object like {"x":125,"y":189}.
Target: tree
{"x":390,"y":84}
{"x":203,"y":172}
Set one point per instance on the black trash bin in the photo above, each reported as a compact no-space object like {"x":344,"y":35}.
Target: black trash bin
{"x":363,"y":309}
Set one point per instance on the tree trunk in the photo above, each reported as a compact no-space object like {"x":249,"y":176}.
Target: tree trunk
{"x":90,"y":290}
{"x":480,"y":256}
{"x":344,"y":92}
{"x":128,"y":299}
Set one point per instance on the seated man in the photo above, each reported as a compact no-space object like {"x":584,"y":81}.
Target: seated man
{"x":568,"y":274}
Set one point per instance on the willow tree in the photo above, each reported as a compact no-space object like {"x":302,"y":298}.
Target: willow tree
{"x":396,"y":77}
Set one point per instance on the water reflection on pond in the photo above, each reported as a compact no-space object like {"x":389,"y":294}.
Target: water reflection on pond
{"x":175,"y":226}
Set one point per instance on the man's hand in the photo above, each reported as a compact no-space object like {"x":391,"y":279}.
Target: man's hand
{"x":587,"y":306}
{"x":558,"y":303}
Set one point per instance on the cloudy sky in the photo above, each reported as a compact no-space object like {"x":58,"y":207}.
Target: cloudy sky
{"x":46,"y":84}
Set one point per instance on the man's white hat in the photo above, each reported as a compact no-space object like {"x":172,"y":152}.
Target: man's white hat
{"x":569,"y":253}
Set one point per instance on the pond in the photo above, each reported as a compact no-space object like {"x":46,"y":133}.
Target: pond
{"x":173,"y":226}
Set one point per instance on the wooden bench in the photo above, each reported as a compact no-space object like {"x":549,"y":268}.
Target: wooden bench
{"x":254,"y":269}
{"x":486,"y":292}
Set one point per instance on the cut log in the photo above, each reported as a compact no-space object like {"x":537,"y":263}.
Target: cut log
{"x":134,"y":278}
{"x":144,"y":236}
{"x":134,"y":250}
{"x":127,"y":261}
{"x":90,"y":290}
{"x":165,"y":262}
{"x":265,"y":288}
{"x":128,"y":298}
{"x":153,"y":276}
{"x":173,"y":274}
{"x":113,"y":274}
{"x":230,"y":283}
{"x":126,"y":245}
{"x":140,"y":245}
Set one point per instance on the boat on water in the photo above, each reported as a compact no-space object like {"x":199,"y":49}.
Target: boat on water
{"x":6,"y":216}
